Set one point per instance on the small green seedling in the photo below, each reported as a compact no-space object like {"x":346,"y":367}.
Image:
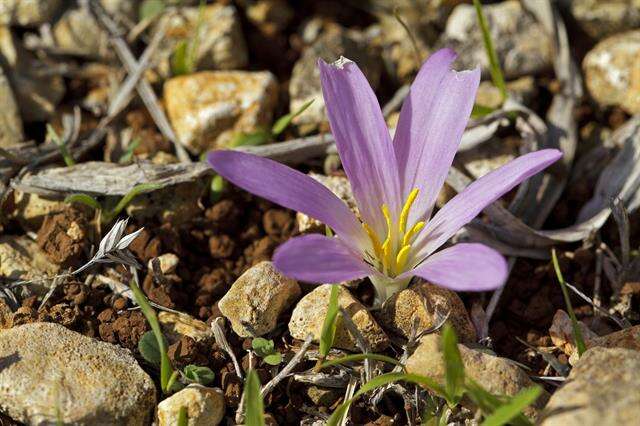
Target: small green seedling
{"x":62,"y":146}
{"x":266,"y":350}
{"x":167,"y":375}
{"x":185,"y":54}
{"x":127,"y":156}
{"x":328,"y":332}
{"x":577,"y":333}
{"x":108,"y":215}
{"x":198,"y":374}
{"x":253,"y":403}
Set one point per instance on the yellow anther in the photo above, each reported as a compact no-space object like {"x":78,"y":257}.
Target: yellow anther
{"x":412,"y":232}
{"x":401,"y":258}
{"x":387,"y":258}
{"x":375,"y":241}
{"x":404,"y":215}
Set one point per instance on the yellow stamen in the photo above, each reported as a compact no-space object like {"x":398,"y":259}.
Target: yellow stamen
{"x":387,"y":258}
{"x":375,"y":241}
{"x":401,"y":258}
{"x":404,"y":215}
{"x":412,"y":232}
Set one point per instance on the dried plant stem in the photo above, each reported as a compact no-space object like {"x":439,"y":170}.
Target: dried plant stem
{"x":289,"y":367}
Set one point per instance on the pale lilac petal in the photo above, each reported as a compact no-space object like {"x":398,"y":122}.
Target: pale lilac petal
{"x":432,"y":120}
{"x":289,"y":188}
{"x":318,"y":259}
{"x":362,"y":139}
{"x":469,"y":203}
{"x":464,"y":267}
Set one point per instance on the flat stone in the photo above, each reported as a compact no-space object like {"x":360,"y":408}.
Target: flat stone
{"x":28,"y":12}
{"x":522,"y":45}
{"x":256,"y":300}
{"x":205,"y":406}
{"x":22,"y":259}
{"x":328,"y":42}
{"x":612,"y":71}
{"x":309,"y":314}
{"x":628,"y":338}
{"x":174,"y":325}
{"x":341,"y":187}
{"x":425,"y":303}
{"x":48,"y":369}
{"x":601,"y":18}
{"x":602,"y":389}
{"x":208,"y":108}
{"x":221,"y":44}
{"x":496,"y":375}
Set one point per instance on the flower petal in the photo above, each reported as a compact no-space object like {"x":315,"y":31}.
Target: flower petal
{"x":469,"y":203}
{"x":432,"y":120}
{"x":289,"y":188}
{"x":362,"y":139}
{"x":319,"y":259}
{"x":464,"y":267}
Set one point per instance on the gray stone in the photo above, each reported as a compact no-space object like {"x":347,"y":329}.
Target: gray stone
{"x":602,"y":389}
{"x":328,"y":42}
{"x":220,"y":42}
{"x":208,"y":108}
{"x":205,"y":406}
{"x":174,"y":325}
{"x":28,"y":12}
{"x":522,"y":45}
{"x":612,"y":71}
{"x":256,"y":300}
{"x":602,"y":18}
{"x":50,"y":370}
{"x":310,"y":312}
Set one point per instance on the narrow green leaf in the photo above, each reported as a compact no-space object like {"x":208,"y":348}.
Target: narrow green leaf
{"x":128,"y":154}
{"x":151,"y":8}
{"x":577,"y":333}
{"x":480,"y":111}
{"x":166,"y":371}
{"x":361,"y":357}
{"x":62,"y":146}
{"x":199,"y":374}
{"x":179,"y":61}
{"x":512,"y":409}
{"x":217,"y":187}
{"x":83,"y":199}
{"x":454,"y":368}
{"x":328,"y":332}
{"x":183,"y":417}
{"x":283,"y":122}
{"x":494,"y":63}
{"x":255,"y":138}
{"x":124,"y":201}
{"x":382,"y":380}
{"x":489,"y":403}
{"x":149,"y":349}
{"x":253,"y":404}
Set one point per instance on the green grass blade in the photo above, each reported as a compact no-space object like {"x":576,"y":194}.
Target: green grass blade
{"x":166,"y":371}
{"x":379,"y":381}
{"x":494,"y":63}
{"x":62,"y":146}
{"x":183,"y":417}
{"x":124,"y":201}
{"x":454,"y":368}
{"x":328,"y":332}
{"x":253,"y":404}
{"x":83,"y":199}
{"x":283,"y":122}
{"x":489,"y":403}
{"x":179,"y":59}
{"x":362,"y":357}
{"x":577,"y":333}
{"x":127,"y":156}
{"x":512,"y":409}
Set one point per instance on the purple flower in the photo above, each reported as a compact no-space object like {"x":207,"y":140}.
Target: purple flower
{"x":395,"y":184}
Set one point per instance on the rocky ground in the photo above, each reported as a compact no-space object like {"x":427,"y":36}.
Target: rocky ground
{"x":113,"y":97}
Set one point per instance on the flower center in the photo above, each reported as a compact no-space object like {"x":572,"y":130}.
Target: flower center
{"x":391,"y":255}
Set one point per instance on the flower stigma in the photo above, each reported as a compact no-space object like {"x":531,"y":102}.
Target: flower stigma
{"x":390,"y":256}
